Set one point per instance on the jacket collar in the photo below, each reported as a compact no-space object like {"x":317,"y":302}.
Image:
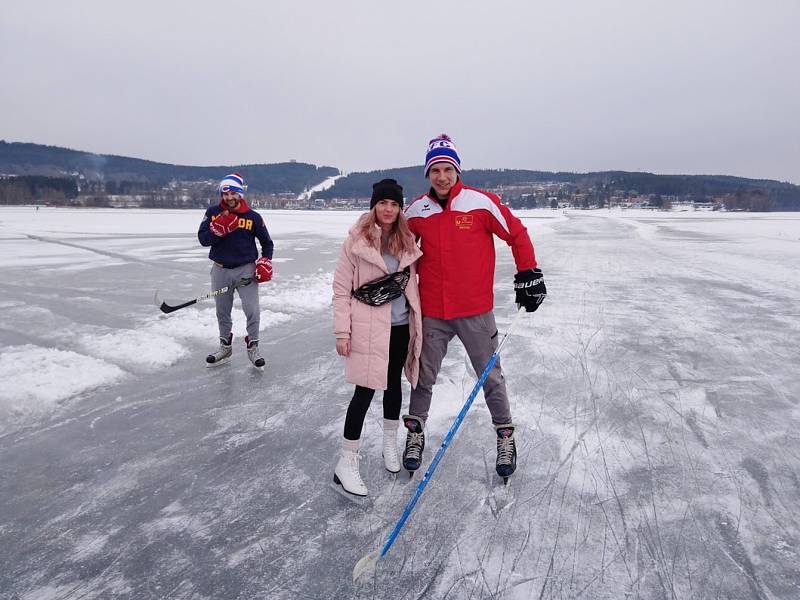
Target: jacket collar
{"x":408,"y":258}
{"x":368,"y":252}
{"x":373,"y":255}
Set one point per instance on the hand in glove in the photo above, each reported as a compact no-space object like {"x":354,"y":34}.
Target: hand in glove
{"x":224,"y":224}
{"x":263,"y":269}
{"x":529,"y":289}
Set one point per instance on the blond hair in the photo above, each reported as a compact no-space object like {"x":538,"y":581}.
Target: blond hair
{"x":401,"y":240}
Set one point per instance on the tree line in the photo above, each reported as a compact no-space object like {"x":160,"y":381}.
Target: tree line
{"x":593,"y":189}
{"x":29,"y":189}
{"x":36,"y":159}
{"x":42,"y":176}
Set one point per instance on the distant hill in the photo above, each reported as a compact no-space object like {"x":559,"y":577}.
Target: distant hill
{"x":784,"y":196}
{"x":18,"y":158}
{"x":134,"y":175}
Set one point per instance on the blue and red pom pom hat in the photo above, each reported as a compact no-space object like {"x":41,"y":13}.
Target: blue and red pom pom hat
{"x":232,"y":183}
{"x":442,"y":149}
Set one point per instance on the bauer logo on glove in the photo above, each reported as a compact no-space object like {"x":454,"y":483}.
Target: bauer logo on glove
{"x":529,"y":289}
{"x":224,"y":224}
{"x":263,"y":269}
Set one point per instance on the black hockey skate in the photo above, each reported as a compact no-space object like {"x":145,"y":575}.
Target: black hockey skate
{"x":415,"y":443}
{"x":252,"y":353}
{"x":222,"y":355}
{"x":506,"y":452}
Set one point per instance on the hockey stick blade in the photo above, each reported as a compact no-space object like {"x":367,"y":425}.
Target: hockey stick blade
{"x":166,"y":308}
{"x":366,"y":565}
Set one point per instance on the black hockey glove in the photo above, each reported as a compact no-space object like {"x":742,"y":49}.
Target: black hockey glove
{"x":529,"y":289}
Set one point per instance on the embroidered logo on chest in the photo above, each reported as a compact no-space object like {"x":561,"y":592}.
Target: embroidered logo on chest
{"x":464,"y":221}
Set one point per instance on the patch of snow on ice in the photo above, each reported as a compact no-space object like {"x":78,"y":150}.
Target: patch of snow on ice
{"x":140,"y":348}
{"x":91,"y":544}
{"x":48,"y":592}
{"x":193,"y":323}
{"x":302,"y":294}
{"x":196,"y":525}
{"x":35,"y":378}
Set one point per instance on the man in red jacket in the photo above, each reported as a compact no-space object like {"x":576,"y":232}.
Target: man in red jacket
{"x":456,"y":224}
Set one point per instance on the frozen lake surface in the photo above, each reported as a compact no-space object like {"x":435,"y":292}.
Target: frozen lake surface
{"x":656,"y":395}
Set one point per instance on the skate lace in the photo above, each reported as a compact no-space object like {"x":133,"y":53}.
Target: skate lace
{"x":352,"y":464}
{"x":505,"y":450}
{"x":252,"y":352}
{"x":414,"y":445}
{"x":389,"y":445}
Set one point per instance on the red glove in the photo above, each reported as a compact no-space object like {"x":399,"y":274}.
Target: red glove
{"x":263,"y":269}
{"x":224,"y":224}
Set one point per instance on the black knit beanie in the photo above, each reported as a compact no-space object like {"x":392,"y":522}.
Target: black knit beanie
{"x":386,"y":189}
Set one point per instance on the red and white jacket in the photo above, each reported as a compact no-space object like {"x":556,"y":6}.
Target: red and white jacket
{"x":456,"y":271}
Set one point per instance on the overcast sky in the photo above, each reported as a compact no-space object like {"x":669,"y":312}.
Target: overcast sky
{"x":669,"y":87}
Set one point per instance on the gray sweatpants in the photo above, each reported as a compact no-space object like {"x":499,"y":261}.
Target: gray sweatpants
{"x":221,"y":277}
{"x":479,"y":336}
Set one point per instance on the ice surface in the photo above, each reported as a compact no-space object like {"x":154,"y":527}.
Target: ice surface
{"x":655,"y":394}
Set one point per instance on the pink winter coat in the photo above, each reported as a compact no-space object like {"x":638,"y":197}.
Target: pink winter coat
{"x":369,"y":327}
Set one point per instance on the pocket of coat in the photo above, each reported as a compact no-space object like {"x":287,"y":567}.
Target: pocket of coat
{"x":359,"y":337}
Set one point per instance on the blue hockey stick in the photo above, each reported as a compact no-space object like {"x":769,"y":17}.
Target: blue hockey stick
{"x":367,"y":563}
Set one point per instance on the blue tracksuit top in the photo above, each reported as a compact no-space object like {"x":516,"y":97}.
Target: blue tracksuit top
{"x":238,"y":247}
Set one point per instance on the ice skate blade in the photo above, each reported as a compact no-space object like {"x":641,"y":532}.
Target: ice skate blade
{"x":388,"y":470}
{"x":337,"y":485}
{"x":218,"y":363}
{"x":366,"y":565}
{"x":499,"y":499}
{"x":411,"y":471}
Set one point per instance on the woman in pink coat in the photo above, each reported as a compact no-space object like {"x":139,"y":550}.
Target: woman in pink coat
{"x":378,"y":335}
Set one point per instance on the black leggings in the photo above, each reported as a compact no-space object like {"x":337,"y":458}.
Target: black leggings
{"x":392,"y":396}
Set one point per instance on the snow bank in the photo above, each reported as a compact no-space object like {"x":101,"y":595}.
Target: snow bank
{"x":134,"y":348}
{"x":86,"y":357}
{"x":35,"y":379}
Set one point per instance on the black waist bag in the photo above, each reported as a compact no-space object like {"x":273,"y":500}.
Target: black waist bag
{"x":384,"y":289}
